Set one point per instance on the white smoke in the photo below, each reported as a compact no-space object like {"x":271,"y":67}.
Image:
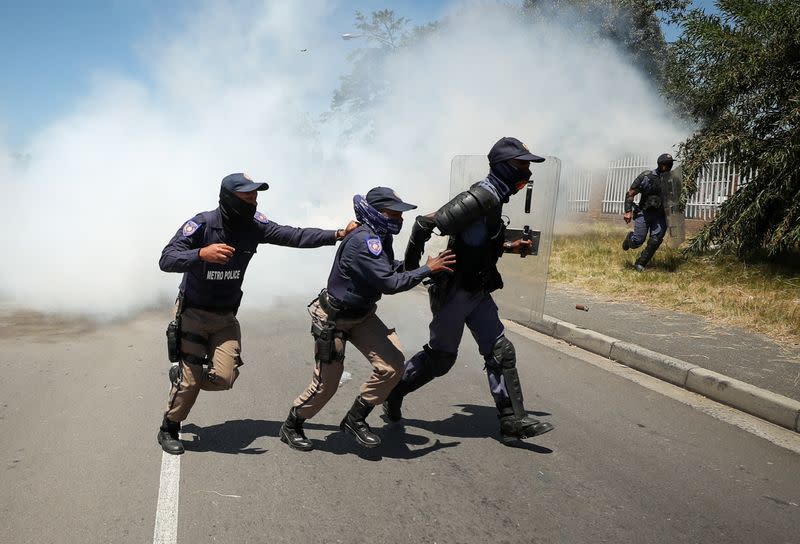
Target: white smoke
{"x":86,"y":217}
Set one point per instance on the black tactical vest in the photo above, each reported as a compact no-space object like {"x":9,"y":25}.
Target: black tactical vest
{"x":476,"y":266}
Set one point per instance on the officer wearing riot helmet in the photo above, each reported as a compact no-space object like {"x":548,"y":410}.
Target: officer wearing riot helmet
{"x":212,"y":251}
{"x":476,"y":231}
{"x":649,"y":215}
{"x":364,"y":269}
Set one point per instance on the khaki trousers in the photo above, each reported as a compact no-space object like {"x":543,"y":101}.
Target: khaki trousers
{"x":378,"y":343}
{"x":222,"y":345}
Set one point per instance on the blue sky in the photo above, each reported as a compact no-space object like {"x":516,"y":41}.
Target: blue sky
{"x":50,"y":50}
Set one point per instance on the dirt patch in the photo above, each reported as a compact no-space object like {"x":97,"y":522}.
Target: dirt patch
{"x":44,"y":327}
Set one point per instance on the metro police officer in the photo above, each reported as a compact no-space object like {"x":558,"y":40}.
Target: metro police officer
{"x":476,"y":231}
{"x":649,"y":215}
{"x":363,"y":270}
{"x":212,"y":251}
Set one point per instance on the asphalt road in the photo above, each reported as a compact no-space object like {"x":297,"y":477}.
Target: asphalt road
{"x":79,"y":409}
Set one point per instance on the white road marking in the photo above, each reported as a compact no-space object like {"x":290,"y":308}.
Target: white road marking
{"x":166,"y":529}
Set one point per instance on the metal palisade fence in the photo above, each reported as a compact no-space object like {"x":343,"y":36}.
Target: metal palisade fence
{"x":619,"y":177}
{"x":715,"y":184}
{"x":577,"y":187}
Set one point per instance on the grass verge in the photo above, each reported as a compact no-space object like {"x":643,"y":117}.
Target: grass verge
{"x":758,"y":297}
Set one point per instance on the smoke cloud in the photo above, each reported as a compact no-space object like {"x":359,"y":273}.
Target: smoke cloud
{"x":102,"y":189}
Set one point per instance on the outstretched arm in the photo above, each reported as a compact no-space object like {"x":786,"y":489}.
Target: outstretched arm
{"x":283,"y":235}
{"x":379,"y":272}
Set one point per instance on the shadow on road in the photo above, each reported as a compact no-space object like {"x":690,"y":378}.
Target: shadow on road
{"x":395,"y":444}
{"x":235,"y":437}
{"x":230,"y":437}
{"x":473,"y":421}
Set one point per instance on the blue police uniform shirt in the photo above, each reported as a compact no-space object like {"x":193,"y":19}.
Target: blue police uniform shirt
{"x":365,"y":269}
{"x":214,"y":285}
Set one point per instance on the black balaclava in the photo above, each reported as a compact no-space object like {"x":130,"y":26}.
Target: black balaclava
{"x":510,"y":178}
{"x":236,"y":213}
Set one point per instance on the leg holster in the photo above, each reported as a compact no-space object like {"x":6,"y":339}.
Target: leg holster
{"x":174,"y":332}
{"x":329,"y":342}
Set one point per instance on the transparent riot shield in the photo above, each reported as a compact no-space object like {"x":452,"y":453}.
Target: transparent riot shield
{"x":676,"y":223}
{"x":530,"y":213}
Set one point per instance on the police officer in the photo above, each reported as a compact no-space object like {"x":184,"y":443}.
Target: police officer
{"x":649,"y":215}
{"x":363,"y":270}
{"x":212,"y":251}
{"x":476,"y":231}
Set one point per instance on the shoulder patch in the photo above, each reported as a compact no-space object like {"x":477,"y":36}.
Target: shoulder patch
{"x":261,"y":218}
{"x":374,"y":246}
{"x":189,"y":228}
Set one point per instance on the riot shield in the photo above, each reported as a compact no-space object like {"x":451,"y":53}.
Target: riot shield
{"x":676,"y":224}
{"x":530,"y":213}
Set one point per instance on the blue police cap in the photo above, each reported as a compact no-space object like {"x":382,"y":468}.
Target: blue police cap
{"x":510,"y":148}
{"x":241,"y":183}
{"x":383,"y":198}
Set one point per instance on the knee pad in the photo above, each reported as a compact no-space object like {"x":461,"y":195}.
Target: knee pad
{"x":440,"y":361}
{"x":504,"y":354}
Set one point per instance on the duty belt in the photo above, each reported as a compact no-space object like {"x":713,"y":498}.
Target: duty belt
{"x":213,"y":309}
{"x":335,"y":308}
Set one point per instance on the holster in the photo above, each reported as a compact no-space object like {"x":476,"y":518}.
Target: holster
{"x":174,"y":332}
{"x":325,"y":333}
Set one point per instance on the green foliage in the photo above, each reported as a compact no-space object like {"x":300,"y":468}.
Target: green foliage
{"x":633,"y":24}
{"x":383,"y":33}
{"x":738,"y":75}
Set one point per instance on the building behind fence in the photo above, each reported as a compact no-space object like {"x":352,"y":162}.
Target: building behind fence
{"x":600,"y":194}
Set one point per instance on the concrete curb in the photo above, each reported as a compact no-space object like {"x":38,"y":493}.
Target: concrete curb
{"x":743,"y":396}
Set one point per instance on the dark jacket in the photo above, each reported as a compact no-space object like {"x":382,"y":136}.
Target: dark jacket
{"x":477,"y":249}
{"x":652,"y":188}
{"x":218,"y":286}
{"x":365,"y":269}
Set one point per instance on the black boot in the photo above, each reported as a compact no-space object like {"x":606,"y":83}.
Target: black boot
{"x":513,"y":428}
{"x":626,"y":243}
{"x":647,"y":254}
{"x":393,"y":405}
{"x":355,"y":423}
{"x":292,"y":432}
{"x":168,"y":437}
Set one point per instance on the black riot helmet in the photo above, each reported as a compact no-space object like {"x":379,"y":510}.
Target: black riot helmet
{"x":666,"y":160}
